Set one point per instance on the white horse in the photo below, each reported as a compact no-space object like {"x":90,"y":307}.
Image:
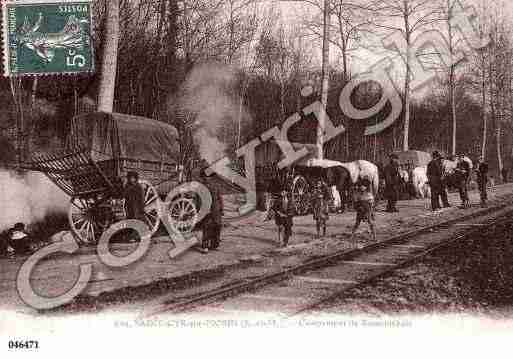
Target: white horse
{"x":405,"y":177}
{"x":449,"y":167}
{"x":469,"y":161}
{"x":360,"y":169}
{"x":349,"y":172}
{"x":345,"y":175}
{"x":420,"y":182}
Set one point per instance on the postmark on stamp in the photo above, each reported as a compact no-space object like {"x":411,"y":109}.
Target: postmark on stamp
{"x":43,"y":37}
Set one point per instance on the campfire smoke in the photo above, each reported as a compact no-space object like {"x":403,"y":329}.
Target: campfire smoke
{"x":28,"y":198}
{"x":208,"y":94}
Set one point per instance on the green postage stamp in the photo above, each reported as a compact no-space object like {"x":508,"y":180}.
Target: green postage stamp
{"x":44,"y":37}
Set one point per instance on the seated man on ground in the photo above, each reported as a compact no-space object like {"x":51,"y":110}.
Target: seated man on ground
{"x":19,"y":240}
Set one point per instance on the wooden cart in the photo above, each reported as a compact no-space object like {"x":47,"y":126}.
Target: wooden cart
{"x":100,"y":149}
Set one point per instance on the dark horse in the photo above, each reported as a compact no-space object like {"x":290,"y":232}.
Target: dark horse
{"x":343,"y":179}
{"x":453,"y":178}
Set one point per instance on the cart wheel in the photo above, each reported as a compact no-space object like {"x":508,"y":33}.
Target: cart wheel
{"x":82,"y":221}
{"x":300,"y":195}
{"x":151,"y":206}
{"x":183,"y":213}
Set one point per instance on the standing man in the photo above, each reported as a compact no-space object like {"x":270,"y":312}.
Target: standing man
{"x":321,"y":197}
{"x":213,"y":221}
{"x":134,"y":197}
{"x":434,"y":175}
{"x":463,"y":173}
{"x":133,"y":193}
{"x":482,"y":178}
{"x":392,"y":183}
{"x":283,"y":216}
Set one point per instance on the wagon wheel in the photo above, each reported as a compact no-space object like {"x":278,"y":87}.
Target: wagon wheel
{"x":83,"y":222}
{"x":151,"y":206}
{"x":88,"y":219}
{"x":183,"y":213}
{"x":300,"y":195}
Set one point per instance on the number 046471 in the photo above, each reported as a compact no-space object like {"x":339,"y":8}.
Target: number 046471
{"x":23,"y":344}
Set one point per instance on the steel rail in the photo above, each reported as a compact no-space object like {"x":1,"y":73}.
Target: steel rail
{"x":234,"y":289}
{"x":409,"y":261}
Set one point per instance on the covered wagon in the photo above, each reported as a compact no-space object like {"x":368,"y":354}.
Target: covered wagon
{"x":409,"y":160}
{"x":100,"y":149}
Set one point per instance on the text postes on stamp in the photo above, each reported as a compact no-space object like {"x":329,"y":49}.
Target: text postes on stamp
{"x":47,"y":37}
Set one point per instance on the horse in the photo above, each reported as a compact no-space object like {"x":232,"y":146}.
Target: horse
{"x":344,"y":175}
{"x":451,"y":175}
{"x":457,"y":178}
{"x":405,"y":182}
{"x":405,"y":176}
{"x":420,"y":182}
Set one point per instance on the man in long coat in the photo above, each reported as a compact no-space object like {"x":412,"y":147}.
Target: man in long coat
{"x":392,"y":183}
{"x":435,"y":177}
{"x":133,"y":193}
{"x":482,"y":179}
{"x":463,"y":173}
{"x":213,"y":221}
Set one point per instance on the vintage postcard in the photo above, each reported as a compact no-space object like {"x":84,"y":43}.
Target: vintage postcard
{"x":250,"y":178}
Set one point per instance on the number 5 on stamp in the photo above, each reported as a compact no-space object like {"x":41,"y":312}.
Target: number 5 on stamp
{"x":44,"y":37}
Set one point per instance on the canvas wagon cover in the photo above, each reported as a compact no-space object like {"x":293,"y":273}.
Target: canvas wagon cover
{"x":416,"y":158}
{"x":119,"y":136}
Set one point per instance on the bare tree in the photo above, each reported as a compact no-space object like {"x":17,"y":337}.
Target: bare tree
{"x":241,"y":24}
{"x":479,"y":70}
{"x":215,"y":29}
{"x":347,"y":30}
{"x":110,"y":56}
{"x":446,"y":58}
{"x":448,"y":11}
{"x":407,"y":18}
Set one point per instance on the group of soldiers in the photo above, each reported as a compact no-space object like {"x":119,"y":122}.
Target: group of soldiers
{"x":438,"y":180}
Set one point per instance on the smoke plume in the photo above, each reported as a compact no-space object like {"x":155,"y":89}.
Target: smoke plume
{"x":209,"y":94}
{"x":28,"y":198}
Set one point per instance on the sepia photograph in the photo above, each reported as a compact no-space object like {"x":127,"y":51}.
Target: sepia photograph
{"x":294,"y":177}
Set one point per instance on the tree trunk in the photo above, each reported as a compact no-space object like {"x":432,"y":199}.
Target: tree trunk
{"x":407,"y":85}
{"x":282,"y":97}
{"x":407,"y":103}
{"x":483,"y":107}
{"x":451,"y":75}
{"x":344,"y":43}
{"x":325,"y":80}
{"x":493,"y":111}
{"x":498,"y":128}
{"x":109,"y":60}
{"x":344,"y":58}
{"x":498,"y":140}
{"x":453,"y":110}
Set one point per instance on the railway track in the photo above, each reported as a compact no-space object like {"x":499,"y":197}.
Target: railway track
{"x":304,"y":287}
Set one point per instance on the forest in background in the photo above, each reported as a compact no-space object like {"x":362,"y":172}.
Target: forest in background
{"x":225,"y":71}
